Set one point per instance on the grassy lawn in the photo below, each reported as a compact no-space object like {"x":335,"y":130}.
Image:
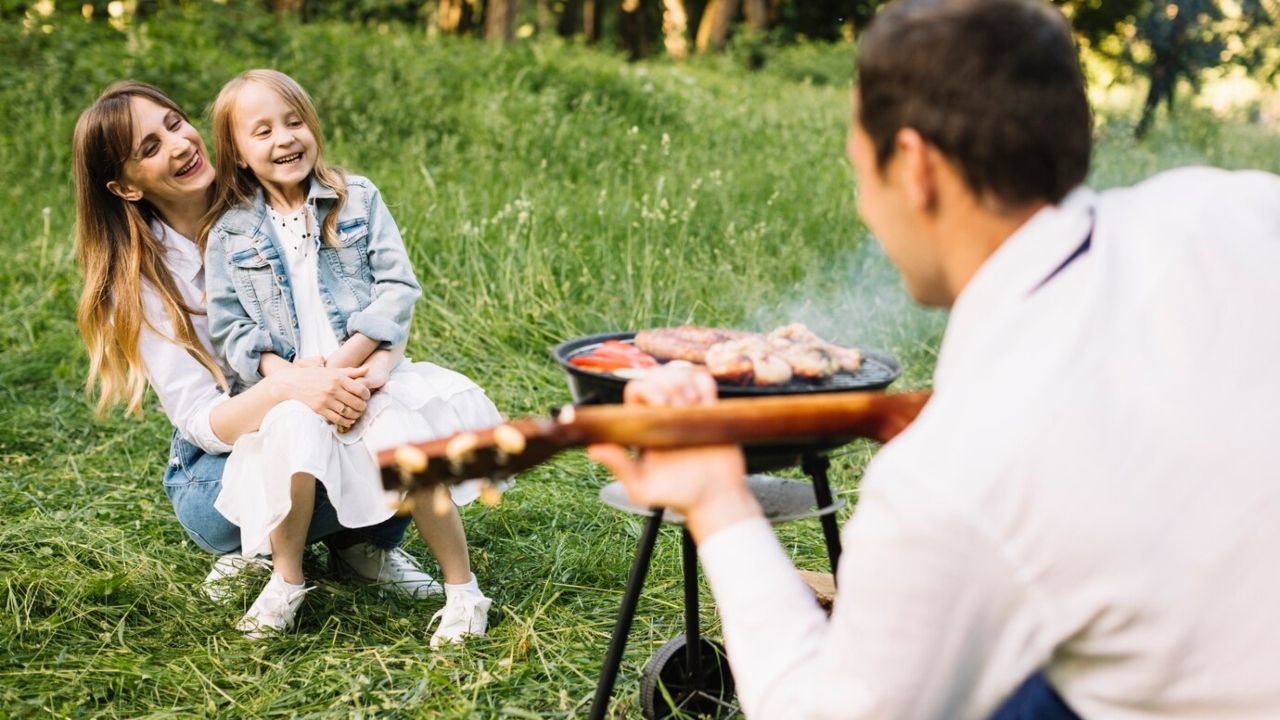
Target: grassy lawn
{"x":544,"y":192}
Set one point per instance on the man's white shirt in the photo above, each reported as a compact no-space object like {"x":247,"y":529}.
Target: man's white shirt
{"x":1092,"y":491}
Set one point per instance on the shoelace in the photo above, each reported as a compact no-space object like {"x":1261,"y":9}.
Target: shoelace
{"x":401,"y":563}
{"x":285,"y":601}
{"x":464,"y":608}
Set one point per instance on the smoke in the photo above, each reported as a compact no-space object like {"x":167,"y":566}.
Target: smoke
{"x":858,"y":300}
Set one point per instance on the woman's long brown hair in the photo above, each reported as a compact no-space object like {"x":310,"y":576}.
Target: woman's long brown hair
{"x":119,"y":254}
{"x":238,"y":185}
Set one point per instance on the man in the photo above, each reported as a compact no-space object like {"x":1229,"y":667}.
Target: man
{"x":1091,"y":496}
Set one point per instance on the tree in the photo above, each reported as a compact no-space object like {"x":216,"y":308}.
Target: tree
{"x":633,"y":28}
{"x":454,"y":17}
{"x":584,"y":15}
{"x":713,"y":31}
{"x":500,"y":20}
{"x":1185,"y":37}
{"x":675,"y":27}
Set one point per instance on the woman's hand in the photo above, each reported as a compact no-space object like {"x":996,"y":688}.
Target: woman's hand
{"x":707,"y":485}
{"x":337,"y":394}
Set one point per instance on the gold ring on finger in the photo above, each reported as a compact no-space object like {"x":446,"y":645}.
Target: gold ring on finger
{"x":344,"y":411}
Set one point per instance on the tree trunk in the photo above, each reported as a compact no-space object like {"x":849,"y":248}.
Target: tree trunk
{"x":713,"y":31}
{"x":633,"y":29}
{"x":568,"y":25}
{"x":757,"y":12}
{"x":500,"y":20}
{"x":454,"y":16}
{"x":592,"y":20}
{"x":675,"y":27}
{"x":544,"y":16}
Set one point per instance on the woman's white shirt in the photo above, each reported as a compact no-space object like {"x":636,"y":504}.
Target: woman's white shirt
{"x":188,"y":392}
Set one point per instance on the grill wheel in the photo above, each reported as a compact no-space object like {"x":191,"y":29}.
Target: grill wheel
{"x":668,"y":686}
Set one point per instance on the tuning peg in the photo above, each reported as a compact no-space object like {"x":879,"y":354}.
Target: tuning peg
{"x":441,"y":500}
{"x":410,"y":460}
{"x":509,"y":439}
{"x":404,"y":505}
{"x":490,"y":494}
{"x":459,"y":450}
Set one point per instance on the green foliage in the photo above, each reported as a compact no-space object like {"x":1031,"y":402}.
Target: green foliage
{"x":1095,"y":20}
{"x":544,"y":191}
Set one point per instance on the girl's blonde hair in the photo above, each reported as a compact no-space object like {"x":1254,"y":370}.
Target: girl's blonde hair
{"x":237,"y":185}
{"x":118,"y":253}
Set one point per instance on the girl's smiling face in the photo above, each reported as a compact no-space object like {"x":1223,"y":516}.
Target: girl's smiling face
{"x":168,"y":164}
{"x":275,"y":144}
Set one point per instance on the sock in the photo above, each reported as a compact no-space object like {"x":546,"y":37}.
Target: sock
{"x":291,"y":586}
{"x":471,"y":587}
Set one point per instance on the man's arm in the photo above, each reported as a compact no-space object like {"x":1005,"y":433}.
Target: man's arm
{"x":930,"y":620}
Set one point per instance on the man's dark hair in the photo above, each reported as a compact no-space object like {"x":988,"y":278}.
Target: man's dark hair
{"x":996,"y":85}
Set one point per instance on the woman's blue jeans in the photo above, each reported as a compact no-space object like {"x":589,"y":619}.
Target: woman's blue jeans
{"x":194,"y":478}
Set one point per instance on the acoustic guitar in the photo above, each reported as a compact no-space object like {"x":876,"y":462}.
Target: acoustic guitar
{"x":500,"y":452}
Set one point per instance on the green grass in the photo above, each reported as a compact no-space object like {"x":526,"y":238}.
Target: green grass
{"x":545,"y":192}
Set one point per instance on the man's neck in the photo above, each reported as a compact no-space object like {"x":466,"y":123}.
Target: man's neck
{"x":984,"y":229}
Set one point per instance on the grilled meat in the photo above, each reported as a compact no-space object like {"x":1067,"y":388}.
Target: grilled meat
{"x":743,"y":358}
{"x":686,"y":342}
{"x":797,"y":335}
{"x":747,"y":361}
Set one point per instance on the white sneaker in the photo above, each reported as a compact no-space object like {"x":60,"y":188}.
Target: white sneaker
{"x":390,"y":569}
{"x":274,"y":610}
{"x":465,"y":612}
{"x":217,"y":584}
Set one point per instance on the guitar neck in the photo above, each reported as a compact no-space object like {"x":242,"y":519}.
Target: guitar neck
{"x":744,"y":420}
{"x":818,"y":417}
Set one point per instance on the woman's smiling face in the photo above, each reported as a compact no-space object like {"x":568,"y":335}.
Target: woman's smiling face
{"x":168,"y":163}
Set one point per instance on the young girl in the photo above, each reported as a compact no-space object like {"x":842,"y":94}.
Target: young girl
{"x":306,"y":267}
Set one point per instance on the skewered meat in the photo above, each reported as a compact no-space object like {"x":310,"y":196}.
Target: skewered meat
{"x":686,"y":342}
{"x":747,"y":360}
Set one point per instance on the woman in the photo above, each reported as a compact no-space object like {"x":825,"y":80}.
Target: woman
{"x":143,"y":182}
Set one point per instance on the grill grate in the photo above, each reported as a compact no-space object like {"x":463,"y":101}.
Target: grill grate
{"x":592,"y":388}
{"x":877,"y":372}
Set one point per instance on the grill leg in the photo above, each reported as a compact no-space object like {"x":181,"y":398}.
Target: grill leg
{"x":693,"y":646}
{"x":630,"y":597}
{"x":816,"y":466}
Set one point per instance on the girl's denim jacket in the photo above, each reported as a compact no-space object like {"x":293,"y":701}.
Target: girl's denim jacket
{"x":367,"y":283}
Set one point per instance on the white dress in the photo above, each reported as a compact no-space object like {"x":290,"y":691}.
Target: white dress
{"x":420,"y":401}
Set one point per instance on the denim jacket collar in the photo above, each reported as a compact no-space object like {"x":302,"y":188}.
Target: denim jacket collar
{"x":248,"y":221}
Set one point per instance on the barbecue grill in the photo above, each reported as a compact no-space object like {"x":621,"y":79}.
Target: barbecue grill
{"x":595,"y":388}
{"x":689,"y":673}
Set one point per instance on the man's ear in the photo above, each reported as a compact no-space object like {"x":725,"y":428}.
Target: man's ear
{"x":916,"y":163}
{"x":124,"y":191}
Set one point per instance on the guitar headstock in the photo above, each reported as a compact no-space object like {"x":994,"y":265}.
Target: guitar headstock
{"x":494,"y":454}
